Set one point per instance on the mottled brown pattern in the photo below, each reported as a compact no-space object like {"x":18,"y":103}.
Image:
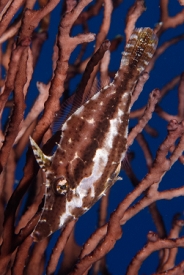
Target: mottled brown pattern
{"x":88,"y":130}
{"x":101,"y":188}
{"x":95,"y":134}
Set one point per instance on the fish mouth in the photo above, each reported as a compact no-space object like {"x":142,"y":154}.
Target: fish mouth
{"x":41,"y":231}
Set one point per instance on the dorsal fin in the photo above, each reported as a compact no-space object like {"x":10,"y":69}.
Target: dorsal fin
{"x":81,"y":95}
{"x":43,"y":160}
{"x":74,"y":102}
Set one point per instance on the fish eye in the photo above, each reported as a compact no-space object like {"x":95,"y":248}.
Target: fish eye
{"x":61,"y":186}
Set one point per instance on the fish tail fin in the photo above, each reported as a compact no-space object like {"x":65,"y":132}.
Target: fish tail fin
{"x":140,"y":49}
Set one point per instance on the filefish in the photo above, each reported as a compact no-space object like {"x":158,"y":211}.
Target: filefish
{"x":93,"y":143}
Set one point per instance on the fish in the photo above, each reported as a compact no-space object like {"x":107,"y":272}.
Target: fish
{"x":93,"y":143}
